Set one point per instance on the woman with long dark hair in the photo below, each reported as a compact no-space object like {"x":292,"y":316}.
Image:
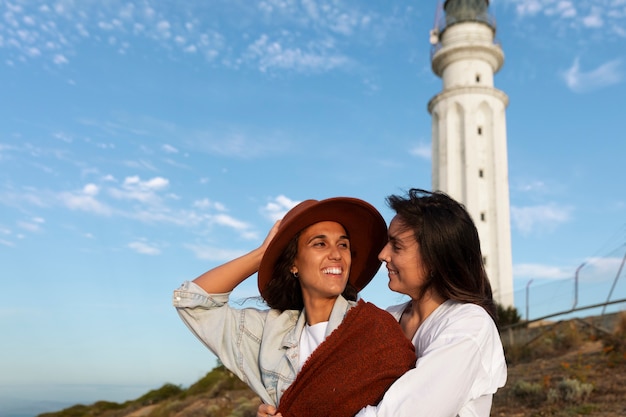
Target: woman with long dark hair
{"x":433,"y":255}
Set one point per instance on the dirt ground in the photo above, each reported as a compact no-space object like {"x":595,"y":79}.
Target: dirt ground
{"x":533,"y":385}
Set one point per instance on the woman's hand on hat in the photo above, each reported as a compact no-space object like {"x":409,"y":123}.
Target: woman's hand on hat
{"x":270,"y":235}
{"x":266,"y":410}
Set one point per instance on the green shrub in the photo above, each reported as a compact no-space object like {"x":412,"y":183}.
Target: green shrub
{"x":166,"y":391}
{"x":529,"y":392}
{"x":507,"y":316}
{"x":216,"y":382}
{"x":570,"y":391}
{"x":73,"y":411}
{"x":245,"y":407}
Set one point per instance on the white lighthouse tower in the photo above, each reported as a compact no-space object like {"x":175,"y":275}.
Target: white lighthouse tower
{"x":469,"y":131}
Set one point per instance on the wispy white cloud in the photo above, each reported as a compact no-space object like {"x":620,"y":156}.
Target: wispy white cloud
{"x":147,"y":201}
{"x":596,"y":269}
{"x":276,"y":209}
{"x":33,"y":32}
{"x":529,"y":219}
{"x":568,"y":14}
{"x":226,"y":220}
{"x":239,"y":143}
{"x":206,"y":204}
{"x":594,"y":18}
{"x":566,"y":9}
{"x":162,"y":214}
{"x":533,"y":186}
{"x":5,"y":234}
{"x":140,"y":164}
{"x":28,"y":196}
{"x":163,"y":28}
{"x":607,"y":74}
{"x":273,"y":54}
{"x":33,"y":225}
{"x":563,"y":9}
{"x":85,"y":200}
{"x":422,"y":150}
{"x":528,"y":7}
{"x":63,"y":137}
{"x":8,"y":243}
{"x":133,"y":188}
{"x":540,"y":271}
{"x":169,"y":148}
{"x":333,"y":17}
{"x":618,"y":30}
{"x":302,"y":36}
{"x":600,"y":269}
{"x":6,"y":151}
{"x":144,"y":248}
{"x":60,"y":59}
{"x":216,"y":254}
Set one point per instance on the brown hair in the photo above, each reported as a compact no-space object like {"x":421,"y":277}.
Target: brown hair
{"x":449,"y":246}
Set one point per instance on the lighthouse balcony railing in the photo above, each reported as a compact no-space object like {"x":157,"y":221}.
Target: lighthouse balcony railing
{"x":446,"y":21}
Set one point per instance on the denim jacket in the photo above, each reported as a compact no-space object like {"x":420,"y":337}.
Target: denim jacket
{"x":261,"y":347}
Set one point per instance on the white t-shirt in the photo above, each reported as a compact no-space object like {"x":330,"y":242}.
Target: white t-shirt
{"x":460,"y":365}
{"x":310,"y":339}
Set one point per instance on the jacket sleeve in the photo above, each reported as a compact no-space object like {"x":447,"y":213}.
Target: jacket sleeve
{"x":233,"y":335}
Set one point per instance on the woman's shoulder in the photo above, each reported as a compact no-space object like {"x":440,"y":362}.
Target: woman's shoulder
{"x":396,"y":310}
{"x":463,"y":309}
{"x":460,"y":318}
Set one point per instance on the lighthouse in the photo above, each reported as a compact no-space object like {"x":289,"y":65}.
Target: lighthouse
{"x":469,"y":141}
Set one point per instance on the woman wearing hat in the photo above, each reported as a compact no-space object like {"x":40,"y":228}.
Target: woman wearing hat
{"x":310,"y":268}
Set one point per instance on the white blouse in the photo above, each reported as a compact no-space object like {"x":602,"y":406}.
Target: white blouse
{"x":460,"y":365}
{"x":311,"y":338}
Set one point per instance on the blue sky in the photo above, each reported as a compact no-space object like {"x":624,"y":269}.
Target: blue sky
{"x":143,"y":142}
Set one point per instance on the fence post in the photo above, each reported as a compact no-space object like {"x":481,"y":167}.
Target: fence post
{"x":576,"y":285}
{"x":527,"y":286}
{"x":619,"y":271}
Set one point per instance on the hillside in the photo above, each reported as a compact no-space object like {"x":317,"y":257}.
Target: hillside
{"x":567,"y":369}
{"x":570,"y":368}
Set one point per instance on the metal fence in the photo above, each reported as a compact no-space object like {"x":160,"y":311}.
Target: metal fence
{"x":596,"y":293}
{"x":597,"y":287}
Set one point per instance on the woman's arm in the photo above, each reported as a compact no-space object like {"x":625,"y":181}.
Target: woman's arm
{"x":226,"y":277}
{"x":459,"y":361}
{"x":233,"y":335}
{"x":437,"y":387}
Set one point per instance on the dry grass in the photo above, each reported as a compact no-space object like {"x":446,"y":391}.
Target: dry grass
{"x":571,"y":369}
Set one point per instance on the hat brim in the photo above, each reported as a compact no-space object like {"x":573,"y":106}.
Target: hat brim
{"x":363,"y":223}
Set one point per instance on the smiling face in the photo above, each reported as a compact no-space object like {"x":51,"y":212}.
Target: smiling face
{"x":407,"y":272}
{"x":323,"y":260}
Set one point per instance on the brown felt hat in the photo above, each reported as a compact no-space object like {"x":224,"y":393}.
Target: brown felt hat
{"x":365,"y":226}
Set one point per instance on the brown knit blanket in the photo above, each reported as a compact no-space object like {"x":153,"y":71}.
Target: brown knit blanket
{"x":352,"y":368}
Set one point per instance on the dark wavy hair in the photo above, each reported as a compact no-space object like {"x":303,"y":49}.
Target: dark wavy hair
{"x":284,"y":292}
{"x":449,"y":246}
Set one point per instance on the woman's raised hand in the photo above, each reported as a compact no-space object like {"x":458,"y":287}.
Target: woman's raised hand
{"x":270,"y":236}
